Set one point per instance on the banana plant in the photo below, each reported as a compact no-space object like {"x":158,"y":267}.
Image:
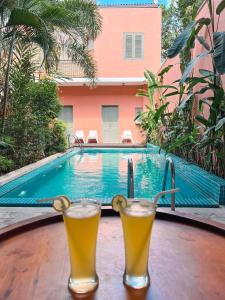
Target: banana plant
{"x":154,"y":115}
{"x":213,"y":126}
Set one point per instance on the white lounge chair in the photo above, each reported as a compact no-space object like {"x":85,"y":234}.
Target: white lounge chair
{"x":127,"y":137}
{"x":92,"y":136}
{"x":79,"y":134}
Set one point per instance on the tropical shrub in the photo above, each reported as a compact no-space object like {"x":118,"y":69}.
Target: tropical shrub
{"x":190,"y":135}
{"x":34,"y":107}
{"x":57,"y":141}
{"x":28,"y":109}
{"x":154,"y":117}
{"x":6,"y":149}
{"x":172,"y":131}
{"x":6,"y":164}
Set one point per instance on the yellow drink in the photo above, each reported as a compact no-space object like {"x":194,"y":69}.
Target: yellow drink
{"x":81,"y":221}
{"x":137,"y":219}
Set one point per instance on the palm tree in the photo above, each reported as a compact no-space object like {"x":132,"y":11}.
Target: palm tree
{"x":40,"y":22}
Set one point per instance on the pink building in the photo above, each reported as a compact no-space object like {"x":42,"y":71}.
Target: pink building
{"x":130,"y":42}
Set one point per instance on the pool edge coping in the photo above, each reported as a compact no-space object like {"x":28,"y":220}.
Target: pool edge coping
{"x":192,"y":169}
{"x":51,"y":218}
{"x":6,"y":178}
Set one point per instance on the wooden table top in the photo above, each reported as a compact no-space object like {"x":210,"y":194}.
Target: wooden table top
{"x":186,"y":263}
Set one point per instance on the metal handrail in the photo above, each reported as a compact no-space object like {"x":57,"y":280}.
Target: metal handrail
{"x":130,"y":179}
{"x":169,"y":162}
{"x":76,"y":140}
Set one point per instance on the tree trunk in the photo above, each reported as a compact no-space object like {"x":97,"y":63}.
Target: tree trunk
{"x":6,"y":84}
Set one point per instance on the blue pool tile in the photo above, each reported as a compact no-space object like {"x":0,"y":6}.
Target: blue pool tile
{"x":102,"y":173}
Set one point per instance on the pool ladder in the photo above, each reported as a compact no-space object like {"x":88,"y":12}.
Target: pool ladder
{"x":130,"y":179}
{"x":76,"y":141}
{"x":169,"y":162}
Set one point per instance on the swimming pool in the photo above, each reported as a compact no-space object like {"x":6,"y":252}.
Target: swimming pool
{"x":102,"y":173}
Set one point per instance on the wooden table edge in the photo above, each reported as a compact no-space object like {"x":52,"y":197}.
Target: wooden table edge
{"x":50,"y":218}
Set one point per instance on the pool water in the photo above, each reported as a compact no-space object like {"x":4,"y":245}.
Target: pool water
{"x":102,"y":173}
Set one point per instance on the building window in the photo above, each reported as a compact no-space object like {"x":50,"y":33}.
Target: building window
{"x":138,"y":111}
{"x":66,"y":115}
{"x":133,"y":45}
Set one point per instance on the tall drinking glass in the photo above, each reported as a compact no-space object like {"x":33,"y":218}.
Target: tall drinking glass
{"x":137,"y":220}
{"x":81,"y":221}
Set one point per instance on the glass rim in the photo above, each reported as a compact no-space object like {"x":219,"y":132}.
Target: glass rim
{"x":86,"y":200}
{"x":148,"y":203}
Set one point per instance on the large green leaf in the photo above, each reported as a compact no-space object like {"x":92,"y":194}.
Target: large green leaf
{"x":58,"y":16}
{"x":185,"y":101}
{"x":160,"y":112}
{"x":202,"y":120}
{"x":193,"y":81}
{"x":207,"y":74}
{"x":220,"y":7}
{"x":86,"y":15}
{"x":220,"y":123}
{"x":180,"y":41}
{"x":187,"y":37}
{"x":83,"y":58}
{"x":218,"y":96}
{"x":203,"y":21}
{"x":164,"y":71}
{"x":150,"y":76}
{"x":25,"y":17}
{"x":191,"y":65}
{"x":203,"y":90}
{"x":219,"y":51}
{"x":37,"y":28}
{"x":203,"y":42}
{"x":200,"y":104}
{"x":171,"y":94}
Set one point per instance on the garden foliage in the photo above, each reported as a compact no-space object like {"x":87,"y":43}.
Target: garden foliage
{"x":32,"y":128}
{"x":39,"y":31}
{"x":194,"y":136}
{"x":175,"y":18}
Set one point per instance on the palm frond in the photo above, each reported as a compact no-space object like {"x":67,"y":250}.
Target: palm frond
{"x":85,"y":15}
{"x":83,"y":58}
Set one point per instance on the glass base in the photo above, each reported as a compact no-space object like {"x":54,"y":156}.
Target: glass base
{"x":83,"y":286}
{"x":136,"y":282}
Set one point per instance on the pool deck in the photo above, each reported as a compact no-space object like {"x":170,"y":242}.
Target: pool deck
{"x":12,"y":215}
{"x":114,"y":145}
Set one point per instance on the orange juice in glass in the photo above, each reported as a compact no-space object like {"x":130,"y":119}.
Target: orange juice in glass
{"x":81,"y":220}
{"x":137,"y":218}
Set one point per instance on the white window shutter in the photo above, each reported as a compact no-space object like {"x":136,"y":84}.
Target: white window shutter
{"x":128,"y":45}
{"x":138,"y":49}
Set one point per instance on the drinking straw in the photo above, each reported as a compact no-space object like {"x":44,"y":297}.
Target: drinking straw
{"x":156,"y":198}
{"x":46,"y":200}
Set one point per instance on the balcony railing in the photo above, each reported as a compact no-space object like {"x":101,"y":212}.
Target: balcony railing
{"x":68,"y":68}
{"x":65,"y":68}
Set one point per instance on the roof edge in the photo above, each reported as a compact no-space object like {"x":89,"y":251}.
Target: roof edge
{"x":147,"y":5}
{"x":102,"y":81}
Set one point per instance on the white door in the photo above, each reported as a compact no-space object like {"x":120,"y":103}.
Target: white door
{"x":66,"y":115}
{"x":110,"y":128}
